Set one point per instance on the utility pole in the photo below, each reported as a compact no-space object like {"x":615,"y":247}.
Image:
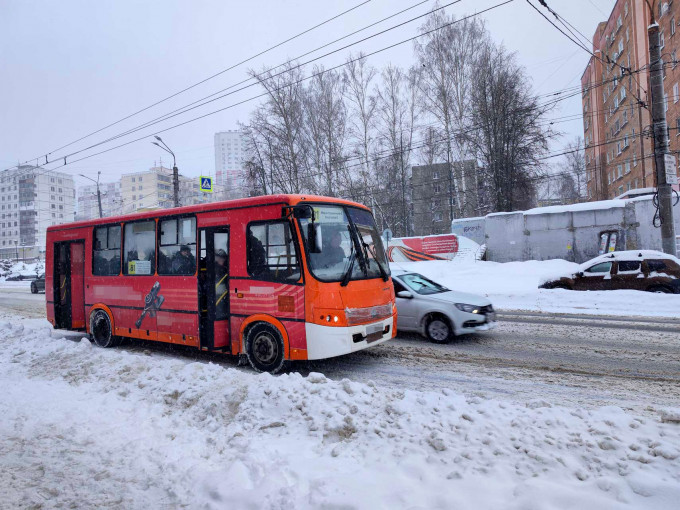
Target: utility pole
{"x":99,"y":195}
{"x":175,"y":171}
{"x":664,"y":161}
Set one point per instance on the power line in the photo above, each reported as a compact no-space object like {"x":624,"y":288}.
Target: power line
{"x":206,"y":79}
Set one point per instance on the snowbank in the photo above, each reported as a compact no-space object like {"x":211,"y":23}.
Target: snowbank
{"x":89,"y":427}
{"x":514,"y":286}
{"x":9,"y":268}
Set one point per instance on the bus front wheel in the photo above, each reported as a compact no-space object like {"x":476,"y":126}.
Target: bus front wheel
{"x":264,"y":348}
{"x":101,"y":330}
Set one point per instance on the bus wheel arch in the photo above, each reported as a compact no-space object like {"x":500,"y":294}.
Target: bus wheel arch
{"x":263,"y":332}
{"x":101,"y":326}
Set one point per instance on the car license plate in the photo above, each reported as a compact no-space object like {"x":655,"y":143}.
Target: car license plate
{"x":491,"y":317}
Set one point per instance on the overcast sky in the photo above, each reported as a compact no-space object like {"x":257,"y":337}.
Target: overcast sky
{"x":72,"y":67}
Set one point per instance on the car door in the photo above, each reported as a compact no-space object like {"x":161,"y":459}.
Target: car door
{"x":628,"y":275}
{"x":406,"y":307}
{"x":596,"y":277}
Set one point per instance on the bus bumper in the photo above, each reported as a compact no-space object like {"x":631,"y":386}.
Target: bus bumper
{"x":329,"y":341}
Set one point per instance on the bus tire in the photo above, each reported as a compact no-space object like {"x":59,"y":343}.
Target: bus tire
{"x":264,"y":348}
{"x":101,"y":330}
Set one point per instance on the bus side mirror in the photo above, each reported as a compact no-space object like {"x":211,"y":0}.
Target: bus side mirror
{"x":314,"y":237}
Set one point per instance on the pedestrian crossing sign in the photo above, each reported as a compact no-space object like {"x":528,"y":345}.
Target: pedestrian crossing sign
{"x":206,"y":184}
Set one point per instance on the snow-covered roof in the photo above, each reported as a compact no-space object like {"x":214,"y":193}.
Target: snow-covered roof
{"x":630,"y":255}
{"x":583,"y":206}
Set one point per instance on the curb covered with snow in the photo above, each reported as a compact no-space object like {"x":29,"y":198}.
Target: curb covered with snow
{"x":93,"y":427}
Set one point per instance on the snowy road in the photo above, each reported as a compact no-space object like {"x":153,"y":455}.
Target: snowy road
{"x":509,"y":419}
{"x":572,"y":359}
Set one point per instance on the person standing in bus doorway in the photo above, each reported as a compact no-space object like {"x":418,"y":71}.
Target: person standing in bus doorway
{"x":184,"y":261}
{"x":221,"y":289}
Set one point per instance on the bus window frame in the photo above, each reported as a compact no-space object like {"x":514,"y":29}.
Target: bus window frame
{"x":122,"y":245}
{"x":294,"y":237}
{"x":309,"y":267}
{"x":120,"y":249}
{"x":177,"y":217}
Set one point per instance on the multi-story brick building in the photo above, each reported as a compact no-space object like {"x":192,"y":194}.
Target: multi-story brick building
{"x":616,"y":100}
{"x":229,"y":169}
{"x":88,"y":206}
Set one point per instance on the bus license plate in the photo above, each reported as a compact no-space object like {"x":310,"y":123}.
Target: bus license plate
{"x":373,"y":332}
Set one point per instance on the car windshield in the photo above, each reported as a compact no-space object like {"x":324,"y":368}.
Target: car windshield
{"x":422,"y":285}
{"x":349,"y":239}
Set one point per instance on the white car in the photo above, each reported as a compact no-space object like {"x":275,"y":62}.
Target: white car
{"x":437,"y":312}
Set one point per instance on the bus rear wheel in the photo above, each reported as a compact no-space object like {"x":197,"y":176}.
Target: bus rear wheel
{"x":101,"y":330}
{"x":264,"y":348}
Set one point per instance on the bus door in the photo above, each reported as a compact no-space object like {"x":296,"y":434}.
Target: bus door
{"x":213,"y":289}
{"x":69,"y":292}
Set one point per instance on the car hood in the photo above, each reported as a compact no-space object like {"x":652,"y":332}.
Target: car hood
{"x":454,"y":296}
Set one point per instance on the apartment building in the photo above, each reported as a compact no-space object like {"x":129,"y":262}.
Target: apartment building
{"x":88,"y":207}
{"x":31,"y":199}
{"x":153,"y":189}
{"x":616,"y":100}
{"x":229,"y":169}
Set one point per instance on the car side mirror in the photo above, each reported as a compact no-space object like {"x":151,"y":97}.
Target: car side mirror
{"x":314,"y":237}
{"x":580,"y":274}
{"x":404,"y":294}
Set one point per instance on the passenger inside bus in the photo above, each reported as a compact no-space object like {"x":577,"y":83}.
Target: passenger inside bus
{"x":220,"y":282}
{"x":257,"y":261}
{"x":183,"y":262}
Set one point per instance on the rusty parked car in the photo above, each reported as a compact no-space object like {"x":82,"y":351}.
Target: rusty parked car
{"x":645,"y":270}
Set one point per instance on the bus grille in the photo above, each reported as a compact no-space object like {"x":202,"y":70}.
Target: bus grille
{"x":370,"y":314}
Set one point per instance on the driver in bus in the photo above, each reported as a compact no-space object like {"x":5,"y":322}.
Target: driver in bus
{"x":332,"y":253}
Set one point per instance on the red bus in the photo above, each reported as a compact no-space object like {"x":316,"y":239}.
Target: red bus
{"x":281,"y":277}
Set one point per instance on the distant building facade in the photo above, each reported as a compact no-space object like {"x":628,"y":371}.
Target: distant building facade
{"x":432,"y":185}
{"x":153,"y":189}
{"x":616,"y":110}
{"x":230,"y":171}
{"x":88,"y":207}
{"x":31,"y":199}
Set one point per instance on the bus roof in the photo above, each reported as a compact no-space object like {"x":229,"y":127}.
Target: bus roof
{"x":212,"y":206}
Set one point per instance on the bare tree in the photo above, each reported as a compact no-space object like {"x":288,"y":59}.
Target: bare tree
{"x":508,"y":137}
{"x":277,"y":128}
{"x":573,"y":170}
{"x":325,"y":120}
{"x":396,"y":113}
{"x":446,"y":57}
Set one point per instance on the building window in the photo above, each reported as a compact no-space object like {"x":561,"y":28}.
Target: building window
{"x":673,"y":26}
{"x":676,"y":93}
{"x":436,"y":188}
{"x":662,"y":41}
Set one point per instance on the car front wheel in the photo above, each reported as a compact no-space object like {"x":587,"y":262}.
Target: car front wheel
{"x":438,"y":329}
{"x":660,"y":289}
{"x":34,"y":288}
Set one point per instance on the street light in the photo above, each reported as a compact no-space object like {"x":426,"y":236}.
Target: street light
{"x":175,"y":172}
{"x":99,"y":196}
{"x":16,"y":246}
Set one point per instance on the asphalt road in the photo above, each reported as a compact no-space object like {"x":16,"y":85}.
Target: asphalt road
{"x":570,"y":359}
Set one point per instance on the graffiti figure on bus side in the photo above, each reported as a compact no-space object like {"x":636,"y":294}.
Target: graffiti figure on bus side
{"x":152,"y":303}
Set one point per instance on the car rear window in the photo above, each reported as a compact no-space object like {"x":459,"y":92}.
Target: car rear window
{"x":656,"y":265}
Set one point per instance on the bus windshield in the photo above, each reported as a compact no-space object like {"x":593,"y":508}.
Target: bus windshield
{"x":349,"y":243}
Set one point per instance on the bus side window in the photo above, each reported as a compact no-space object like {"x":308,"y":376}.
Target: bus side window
{"x":177,"y":247}
{"x":271,"y":253}
{"x":106,"y":251}
{"x":139,"y":248}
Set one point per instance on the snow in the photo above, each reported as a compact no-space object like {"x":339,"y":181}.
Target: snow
{"x":514,"y":286}
{"x":89,"y":427}
{"x":14,"y":268}
{"x":584,"y":206}
{"x":630,"y":255}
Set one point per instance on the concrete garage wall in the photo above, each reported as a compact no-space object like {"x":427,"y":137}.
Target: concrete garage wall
{"x":566,"y":232}
{"x":472,"y":228}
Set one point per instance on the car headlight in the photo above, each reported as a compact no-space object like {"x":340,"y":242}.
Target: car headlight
{"x":467,"y":308}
